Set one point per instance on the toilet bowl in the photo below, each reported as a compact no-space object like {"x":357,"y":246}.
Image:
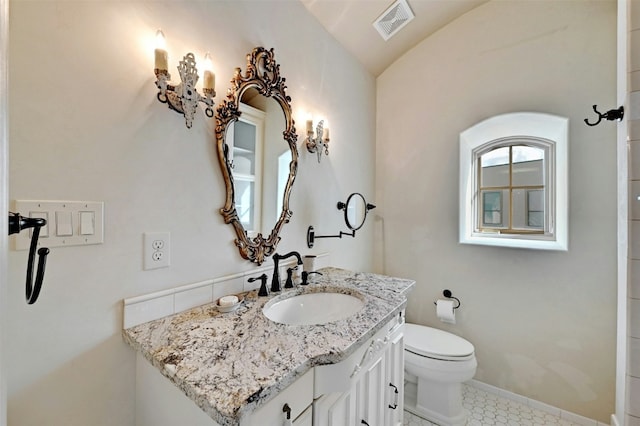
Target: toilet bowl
{"x":436,"y":364}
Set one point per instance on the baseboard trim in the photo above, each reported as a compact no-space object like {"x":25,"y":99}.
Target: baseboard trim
{"x":614,"y":420}
{"x":566,"y":415}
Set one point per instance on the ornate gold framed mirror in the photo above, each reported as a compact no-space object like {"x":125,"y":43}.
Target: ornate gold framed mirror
{"x":252,"y":164}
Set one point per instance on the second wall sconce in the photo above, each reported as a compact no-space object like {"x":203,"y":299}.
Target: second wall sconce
{"x":183,"y":97}
{"x":320,"y":142}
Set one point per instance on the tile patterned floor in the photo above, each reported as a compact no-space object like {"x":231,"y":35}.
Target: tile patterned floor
{"x":489,"y":409}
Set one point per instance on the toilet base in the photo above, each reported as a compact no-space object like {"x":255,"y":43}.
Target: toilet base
{"x":440,"y":403}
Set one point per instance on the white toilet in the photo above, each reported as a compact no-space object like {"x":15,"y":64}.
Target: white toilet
{"x":436,"y":363}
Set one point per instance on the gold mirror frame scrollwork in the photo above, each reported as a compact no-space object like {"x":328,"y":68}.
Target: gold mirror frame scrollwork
{"x":262,"y":74}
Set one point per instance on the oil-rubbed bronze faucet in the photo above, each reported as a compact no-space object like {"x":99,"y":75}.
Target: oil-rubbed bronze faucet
{"x":275,"y":281}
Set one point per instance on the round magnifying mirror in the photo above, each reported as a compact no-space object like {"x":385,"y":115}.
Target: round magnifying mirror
{"x":355,"y":211}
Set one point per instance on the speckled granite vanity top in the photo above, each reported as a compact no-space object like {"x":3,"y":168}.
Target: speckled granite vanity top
{"x":231,"y":363}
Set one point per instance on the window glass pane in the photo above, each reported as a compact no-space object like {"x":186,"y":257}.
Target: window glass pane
{"x":528,"y":209}
{"x":496,"y":157}
{"x":536,"y":220}
{"x":495,"y":168}
{"x":523,"y":153}
{"x":535,"y":209}
{"x":528,"y":166}
{"x":494,"y":212}
{"x":519,"y":209}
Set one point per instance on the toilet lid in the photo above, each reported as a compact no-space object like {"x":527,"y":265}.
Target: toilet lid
{"x":434,"y":343}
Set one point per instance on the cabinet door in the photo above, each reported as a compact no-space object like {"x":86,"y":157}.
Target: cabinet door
{"x":335,"y":409}
{"x":305,"y":419}
{"x":372,"y":399}
{"x":371,"y":390}
{"x":395,"y":381}
{"x":295,"y":399}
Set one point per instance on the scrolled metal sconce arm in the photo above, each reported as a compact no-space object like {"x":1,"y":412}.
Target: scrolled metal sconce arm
{"x":183,"y":97}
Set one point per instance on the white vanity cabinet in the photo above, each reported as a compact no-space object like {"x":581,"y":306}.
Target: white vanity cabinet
{"x":160,"y":403}
{"x":366,"y":388}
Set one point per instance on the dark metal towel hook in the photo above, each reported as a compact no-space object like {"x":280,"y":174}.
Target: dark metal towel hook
{"x":612,"y":114}
{"x":16,"y":224}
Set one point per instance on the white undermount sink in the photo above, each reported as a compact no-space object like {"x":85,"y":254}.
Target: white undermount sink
{"x":312,"y":308}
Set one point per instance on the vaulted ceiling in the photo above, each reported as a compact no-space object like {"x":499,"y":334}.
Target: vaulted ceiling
{"x":351,"y":23}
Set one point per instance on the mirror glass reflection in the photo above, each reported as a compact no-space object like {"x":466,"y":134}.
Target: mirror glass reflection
{"x":260,"y":158}
{"x":355,"y":211}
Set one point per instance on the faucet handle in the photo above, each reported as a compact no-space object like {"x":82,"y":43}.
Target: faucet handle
{"x":305,"y":276}
{"x":289,"y":283}
{"x":263,"y":287}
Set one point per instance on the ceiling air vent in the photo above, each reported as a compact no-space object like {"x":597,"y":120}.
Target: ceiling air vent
{"x":393,"y":19}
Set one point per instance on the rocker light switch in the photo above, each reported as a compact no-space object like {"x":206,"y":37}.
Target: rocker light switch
{"x":64,"y":227}
{"x":87,"y":223}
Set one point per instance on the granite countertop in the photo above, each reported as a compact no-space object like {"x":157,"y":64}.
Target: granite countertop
{"x":231,"y":363}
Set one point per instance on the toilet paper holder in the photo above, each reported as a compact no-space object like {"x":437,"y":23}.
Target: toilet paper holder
{"x":447,"y":293}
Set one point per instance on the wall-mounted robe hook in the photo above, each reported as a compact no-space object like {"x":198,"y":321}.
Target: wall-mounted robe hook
{"x":612,"y":114}
{"x":16,"y":224}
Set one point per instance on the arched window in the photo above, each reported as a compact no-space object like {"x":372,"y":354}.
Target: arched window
{"x":513,"y":182}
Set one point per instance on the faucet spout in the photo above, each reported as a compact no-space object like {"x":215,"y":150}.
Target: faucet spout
{"x":275,"y":280}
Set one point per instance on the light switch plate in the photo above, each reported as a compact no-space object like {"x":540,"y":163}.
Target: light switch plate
{"x":63,"y":223}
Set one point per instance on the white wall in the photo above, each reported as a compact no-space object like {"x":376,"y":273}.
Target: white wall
{"x":630,"y":332}
{"x":4,"y":192}
{"x":85,"y":125}
{"x":543,"y":323}
{"x":623,"y":71}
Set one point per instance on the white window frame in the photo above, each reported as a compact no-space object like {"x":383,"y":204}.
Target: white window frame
{"x":520,"y":125}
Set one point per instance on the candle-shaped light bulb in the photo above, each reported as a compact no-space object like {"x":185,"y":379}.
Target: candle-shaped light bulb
{"x":209,"y":76}
{"x":162,"y":60}
{"x":325,"y":134}
{"x":309,"y":124}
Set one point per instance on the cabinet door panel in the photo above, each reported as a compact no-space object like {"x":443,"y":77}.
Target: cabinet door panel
{"x":371,"y":390}
{"x":298,"y":396}
{"x":335,"y":409}
{"x":306,"y":418}
{"x":395,"y":382}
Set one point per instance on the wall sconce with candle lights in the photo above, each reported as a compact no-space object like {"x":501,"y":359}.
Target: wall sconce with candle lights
{"x":320,"y":142}
{"x":183,"y":97}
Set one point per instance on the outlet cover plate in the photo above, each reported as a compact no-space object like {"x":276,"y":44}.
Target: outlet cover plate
{"x":157,"y":250}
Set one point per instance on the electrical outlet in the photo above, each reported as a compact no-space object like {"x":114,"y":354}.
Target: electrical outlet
{"x":156,"y":250}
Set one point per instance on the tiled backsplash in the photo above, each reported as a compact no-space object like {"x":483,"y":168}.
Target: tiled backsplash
{"x":148,"y":307}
